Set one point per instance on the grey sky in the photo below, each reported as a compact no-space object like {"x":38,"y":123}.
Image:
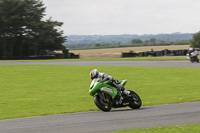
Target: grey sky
{"x":105,"y":17}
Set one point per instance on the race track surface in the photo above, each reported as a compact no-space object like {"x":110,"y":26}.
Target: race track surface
{"x":114,"y":63}
{"x":98,"y":121}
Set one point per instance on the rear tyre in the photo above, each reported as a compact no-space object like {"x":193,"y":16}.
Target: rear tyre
{"x":104,"y":105}
{"x":135,"y":101}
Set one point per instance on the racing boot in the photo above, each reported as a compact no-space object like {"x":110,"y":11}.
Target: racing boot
{"x":120,"y":87}
{"x":126,"y":92}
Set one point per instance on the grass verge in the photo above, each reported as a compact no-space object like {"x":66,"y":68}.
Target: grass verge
{"x":171,"y":129}
{"x":34,"y":90}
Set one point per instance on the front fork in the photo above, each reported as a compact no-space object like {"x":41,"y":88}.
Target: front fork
{"x":104,"y":97}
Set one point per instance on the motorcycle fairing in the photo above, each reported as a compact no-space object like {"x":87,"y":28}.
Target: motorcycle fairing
{"x":110,"y":91}
{"x":123,"y":82}
{"x":96,"y":86}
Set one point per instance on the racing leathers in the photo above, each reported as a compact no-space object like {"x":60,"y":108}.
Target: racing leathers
{"x":104,"y":77}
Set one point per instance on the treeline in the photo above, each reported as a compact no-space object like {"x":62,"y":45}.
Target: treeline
{"x":126,"y":38}
{"x":24,"y":32}
{"x":101,"y":46}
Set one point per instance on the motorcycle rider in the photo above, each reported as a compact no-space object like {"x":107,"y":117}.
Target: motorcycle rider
{"x":104,"y":77}
{"x":192,"y":55}
{"x":191,"y":50}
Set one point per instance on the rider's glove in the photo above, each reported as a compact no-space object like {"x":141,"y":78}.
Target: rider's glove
{"x":110,"y":78}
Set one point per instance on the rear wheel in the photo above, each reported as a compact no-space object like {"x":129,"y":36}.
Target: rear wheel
{"x":103,"y":102}
{"x":135,"y":101}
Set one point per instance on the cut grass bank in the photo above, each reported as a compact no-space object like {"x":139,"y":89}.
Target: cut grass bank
{"x":33,"y":90}
{"x":171,"y":129}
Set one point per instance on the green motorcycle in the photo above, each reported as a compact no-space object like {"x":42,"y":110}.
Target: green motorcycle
{"x":106,"y":96}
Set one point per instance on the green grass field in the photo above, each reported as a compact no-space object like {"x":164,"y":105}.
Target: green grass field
{"x":172,"y":129}
{"x":34,"y":90}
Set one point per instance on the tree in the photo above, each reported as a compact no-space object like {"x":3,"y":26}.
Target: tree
{"x":23,"y":32}
{"x":152,"y":40}
{"x":50,"y":37}
{"x":195,"y":41}
{"x":136,"y":41}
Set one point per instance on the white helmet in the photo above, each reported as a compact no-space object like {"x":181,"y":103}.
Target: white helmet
{"x":94,"y":74}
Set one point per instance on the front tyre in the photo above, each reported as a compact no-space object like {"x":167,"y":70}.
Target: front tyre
{"x":191,"y":60}
{"x":197,"y":60}
{"x":102,"y":104}
{"x":135,"y":101}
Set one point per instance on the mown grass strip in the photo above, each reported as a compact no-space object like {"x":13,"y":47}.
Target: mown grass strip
{"x":34,"y":90}
{"x":170,"y":129}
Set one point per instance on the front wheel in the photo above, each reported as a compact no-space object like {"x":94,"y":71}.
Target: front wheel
{"x":135,"y":101}
{"x":102,"y":103}
{"x":191,"y":60}
{"x":197,"y":60}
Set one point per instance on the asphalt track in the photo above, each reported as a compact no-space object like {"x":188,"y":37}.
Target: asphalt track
{"x":98,"y":121}
{"x":120,"y":119}
{"x":114,"y":63}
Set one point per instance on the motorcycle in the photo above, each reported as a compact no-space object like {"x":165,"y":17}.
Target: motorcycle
{"x":193,"y":57}
{"x":107,"y":97}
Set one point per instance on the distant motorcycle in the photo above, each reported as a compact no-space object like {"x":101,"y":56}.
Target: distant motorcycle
{"x":193,"y":57}
{"x":107,"y":96}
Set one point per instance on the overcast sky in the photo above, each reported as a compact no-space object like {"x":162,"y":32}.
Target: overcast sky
{"x":106,"y":17}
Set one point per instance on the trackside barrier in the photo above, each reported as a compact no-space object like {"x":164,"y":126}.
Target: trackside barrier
{"x":165,"y":52}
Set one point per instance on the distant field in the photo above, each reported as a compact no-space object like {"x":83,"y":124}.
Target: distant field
{"x":116,"y":52}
